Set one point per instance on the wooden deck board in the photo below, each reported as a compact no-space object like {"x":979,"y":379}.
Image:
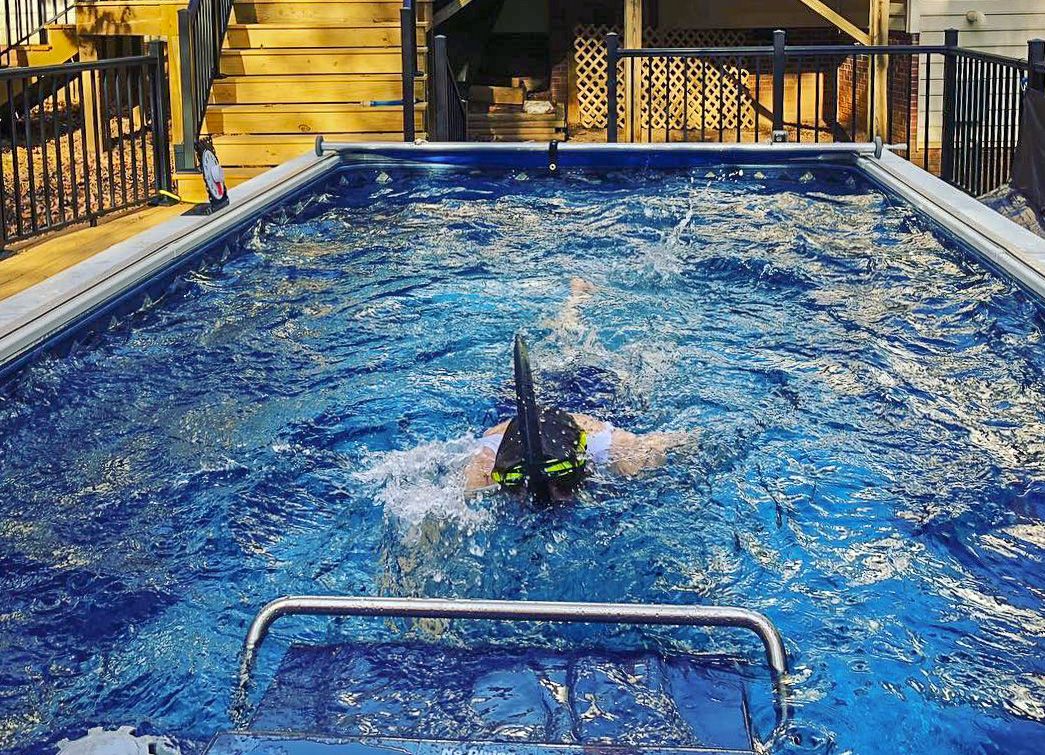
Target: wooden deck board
{"x":41,"y":260}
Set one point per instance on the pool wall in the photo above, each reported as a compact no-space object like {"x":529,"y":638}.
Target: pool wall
{"x":44,"y":315}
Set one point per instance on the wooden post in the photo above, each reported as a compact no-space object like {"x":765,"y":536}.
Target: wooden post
{"x":88,"y":53}
{"x":632,"y":89}
{"x":879,"y":28}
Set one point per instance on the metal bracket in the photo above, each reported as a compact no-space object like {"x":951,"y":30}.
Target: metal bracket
{"x":553,"y":157}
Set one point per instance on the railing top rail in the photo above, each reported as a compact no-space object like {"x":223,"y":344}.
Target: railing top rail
{"x":520,"y":610}
{"x":792,"y":51}
{"x":866,"y":49}
{"x":668,"y":52}
{"x":788,"y":49}
{"x":72,"y":68}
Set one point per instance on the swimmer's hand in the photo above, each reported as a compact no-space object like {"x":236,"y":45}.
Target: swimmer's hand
{"x":477,"y":475}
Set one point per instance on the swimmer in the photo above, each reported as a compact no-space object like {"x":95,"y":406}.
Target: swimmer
{"x":546,"y":451}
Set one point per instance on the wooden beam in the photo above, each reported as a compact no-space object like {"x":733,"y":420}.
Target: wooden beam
{"x":879,"y":26}
{"x":448,"y":11}
{"x":632,"y":90}
{"x":821,"y":8}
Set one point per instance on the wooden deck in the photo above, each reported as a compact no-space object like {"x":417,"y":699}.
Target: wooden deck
{"x":39,"y":261}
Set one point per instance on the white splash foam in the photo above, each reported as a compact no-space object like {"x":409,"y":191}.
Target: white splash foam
{"x":425,"y":483}
{"x":122,"y":741}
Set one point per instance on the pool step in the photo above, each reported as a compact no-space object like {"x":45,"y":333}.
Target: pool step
{"x":240,"y":152}
{"x":61,"y":47}
{"x":293,"y":69}
{"x":419,"y":692}
{"x":516,"y":126}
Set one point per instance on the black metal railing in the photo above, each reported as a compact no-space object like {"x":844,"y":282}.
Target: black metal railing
{"x":448,"y":117}
{"x":408,"y":42}
{"x":201,"y":33}
{"x":81,"y":140}
{"x":25,"y":22}
{"x":955,"y":111}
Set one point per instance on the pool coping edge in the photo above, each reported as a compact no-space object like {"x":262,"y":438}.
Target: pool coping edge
{"x":999,"y":242}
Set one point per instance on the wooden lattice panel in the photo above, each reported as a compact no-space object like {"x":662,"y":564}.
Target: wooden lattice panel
{"x":680,"y":93}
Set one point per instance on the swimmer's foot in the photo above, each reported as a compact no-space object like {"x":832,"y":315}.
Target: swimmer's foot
{"x":581,"y":288}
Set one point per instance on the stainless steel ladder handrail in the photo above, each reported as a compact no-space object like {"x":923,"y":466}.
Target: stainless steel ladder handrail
{"x":521,"y":610}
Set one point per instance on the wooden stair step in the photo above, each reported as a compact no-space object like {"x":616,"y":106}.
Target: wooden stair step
{"x":535,"y":133}
{"x":307,"y":119}
{"x":496,"y":95}
{"x":297,"y":88}
{"x":306,"y":60}
{"x":477,"y":127}
{"x":343,"y":11}
{"x":515,"y":117}
{"x":61,"y":47}
{"x":514,"y":137}
{"x":252,"y":150}
{"x":317,"y":34}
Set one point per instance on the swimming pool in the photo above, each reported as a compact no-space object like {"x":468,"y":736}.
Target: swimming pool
{"x":290,"y":416}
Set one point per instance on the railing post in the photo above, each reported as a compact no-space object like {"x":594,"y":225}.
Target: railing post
{"x":185,"y":153}
{"x":1036,"y":59}
{"x":779,"y":69}
{"x":408,"y":32}
{"x":161,"y":149}
{"x":218,"y":33}
{"x":440,"y":73}
{"x":612,"y":56}
{"x":950,"y":94}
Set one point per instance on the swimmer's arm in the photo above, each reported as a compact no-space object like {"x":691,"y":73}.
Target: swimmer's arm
{"x":497,"y":429}
{"x":477,"y":474}
{"x":588,"y":424}
{"x":581,"y":291}
{"x":631,"y":454}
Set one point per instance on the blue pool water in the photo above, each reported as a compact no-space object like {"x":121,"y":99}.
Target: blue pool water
{"x":293,"y":417}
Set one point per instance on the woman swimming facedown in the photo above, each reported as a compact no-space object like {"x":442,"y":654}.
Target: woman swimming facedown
{"x":620,"y":451}
{"x":546,"y":451}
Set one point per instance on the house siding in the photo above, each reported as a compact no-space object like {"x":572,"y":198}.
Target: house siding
{"x":1009,"y":23}
{"x":1008,"y":26}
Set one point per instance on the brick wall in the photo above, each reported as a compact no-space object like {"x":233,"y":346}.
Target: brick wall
{"x":903,"y":95}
